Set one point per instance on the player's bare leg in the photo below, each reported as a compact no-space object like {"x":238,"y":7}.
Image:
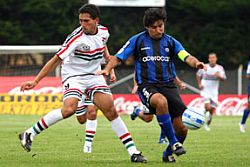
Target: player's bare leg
{"x":105,"y":103}
{"x":159,"y":102}
{"x":209,"y":115}
{"x":68,"y":109}
{"x":181,"y":133}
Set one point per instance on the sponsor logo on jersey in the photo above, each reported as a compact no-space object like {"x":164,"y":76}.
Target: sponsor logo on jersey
{"x":85,"y":47}
{"x":167,"y":50}
{"x":155,"y":58}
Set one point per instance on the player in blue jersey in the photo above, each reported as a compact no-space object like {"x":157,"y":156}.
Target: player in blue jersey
{"x":143,"y":112}
{"x":247,"y":110}
{"x":154,"y":51}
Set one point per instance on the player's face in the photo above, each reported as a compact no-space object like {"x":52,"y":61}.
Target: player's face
{"x":156,"y":30}
{"x":212,"y":59}
{"x":88,"y":24}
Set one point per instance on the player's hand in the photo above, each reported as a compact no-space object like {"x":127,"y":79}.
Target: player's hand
{"x":201,"y":65}
{"x":102,"y":72}
{"x":113,"y":78}
{"x":28,"y":85}
{"x":201,"y":86}
{"x":217,"y":74}
{"x":182,"y":85}
{"x":134,"y":90}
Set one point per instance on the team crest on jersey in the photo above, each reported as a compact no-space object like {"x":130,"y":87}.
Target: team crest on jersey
{"x":85,"y":47}
{"x":167,"y":50}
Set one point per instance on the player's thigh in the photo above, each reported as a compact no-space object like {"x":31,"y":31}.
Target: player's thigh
{"x":105,"y":103}
{"x":175,"y":104}
{"x":69,"y":106}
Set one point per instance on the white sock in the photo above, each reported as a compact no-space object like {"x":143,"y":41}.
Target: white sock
{"x":122,"y":132}
{"x":90,"y":130}
{"x":48,"y":120}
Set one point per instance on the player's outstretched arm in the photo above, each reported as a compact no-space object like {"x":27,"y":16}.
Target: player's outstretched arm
{"x":114,"y":61}
{"x":179,"y":83}
{"x":49,"y":66}
{"x":195,"y":63}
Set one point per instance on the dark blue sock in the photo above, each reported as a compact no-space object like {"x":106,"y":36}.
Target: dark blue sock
{"x":162,"y":135}
{"x":137,"y":110}
{"x":167,"y":127}
{"x":245,"y":116}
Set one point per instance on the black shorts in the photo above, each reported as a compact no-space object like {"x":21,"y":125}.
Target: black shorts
{"x":170,"y":91}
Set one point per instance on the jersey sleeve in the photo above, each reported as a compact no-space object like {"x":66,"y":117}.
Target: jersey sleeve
{"x":179,"y":50}
{"x":128,"y":49}
{"x":222,"y":72}
{"x":69,"y":46}
{"x":199,"y":72}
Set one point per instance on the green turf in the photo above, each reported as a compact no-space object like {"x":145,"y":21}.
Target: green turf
{"x":61,"y":145}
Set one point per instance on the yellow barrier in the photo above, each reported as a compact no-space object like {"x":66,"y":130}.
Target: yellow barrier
{"x":30,"y":104}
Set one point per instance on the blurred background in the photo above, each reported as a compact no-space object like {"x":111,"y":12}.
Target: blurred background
{"x":202,"y":26}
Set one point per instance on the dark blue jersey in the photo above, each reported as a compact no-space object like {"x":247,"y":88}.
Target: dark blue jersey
{"x":153,"y":58}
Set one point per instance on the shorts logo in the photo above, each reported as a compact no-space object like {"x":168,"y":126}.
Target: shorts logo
{"x":146,"y":93}
{"x":66,"y":86}
{"x":167,"y":50}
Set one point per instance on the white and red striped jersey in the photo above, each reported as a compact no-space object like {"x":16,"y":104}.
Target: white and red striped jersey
{"x":82,"y":53}
{"x":209,"y":81}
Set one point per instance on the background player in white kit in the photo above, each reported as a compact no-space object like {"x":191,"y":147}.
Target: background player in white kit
{"x":208,"y":82}
{"x":81,"y":56}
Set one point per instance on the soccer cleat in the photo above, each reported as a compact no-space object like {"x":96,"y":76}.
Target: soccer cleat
{"x":87,"y":149}
{"x":242,"y":128}
{"x":138,"y":158}
{"x":207,"y":128}
{"x":133,"y":116}
{"x":178,"y":149}
{"x":168,"y":159}
{"x":25,"y":140}
{"x":162,"y":141}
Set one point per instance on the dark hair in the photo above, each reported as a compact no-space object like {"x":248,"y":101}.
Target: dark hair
{"x":152,"y":15}
{"x":91,"y":9}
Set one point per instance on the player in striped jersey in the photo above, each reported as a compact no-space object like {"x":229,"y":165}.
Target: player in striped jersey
{"x":208,"y":82}
{"x":153,"y":51}
{"x":247,"y":110}
{"x":81,"y":56}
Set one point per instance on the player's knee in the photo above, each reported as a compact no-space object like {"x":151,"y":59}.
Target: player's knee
{"x":68,"y":111}
{"x":81,"y":119}
{"x":111,"y":114}
{"x":92,"y":114}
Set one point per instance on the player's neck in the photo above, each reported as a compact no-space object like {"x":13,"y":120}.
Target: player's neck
{"x":212,"y":65}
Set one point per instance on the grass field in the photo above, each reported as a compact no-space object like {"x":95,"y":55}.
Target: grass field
{"x":61,"y":145}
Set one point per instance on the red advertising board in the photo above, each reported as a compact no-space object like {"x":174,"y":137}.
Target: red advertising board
{"x":48,"y":95}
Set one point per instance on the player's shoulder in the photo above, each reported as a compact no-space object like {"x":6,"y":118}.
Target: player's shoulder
{"x":220,"y":67}
{"x":102,"y":28}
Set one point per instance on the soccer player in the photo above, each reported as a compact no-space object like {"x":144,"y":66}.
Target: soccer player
{"x":208,"y":82}
{"x":247,"y":110}
{"x":144,"y":114}
{"x":81,"y":56}
{"x":153,"y":51}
